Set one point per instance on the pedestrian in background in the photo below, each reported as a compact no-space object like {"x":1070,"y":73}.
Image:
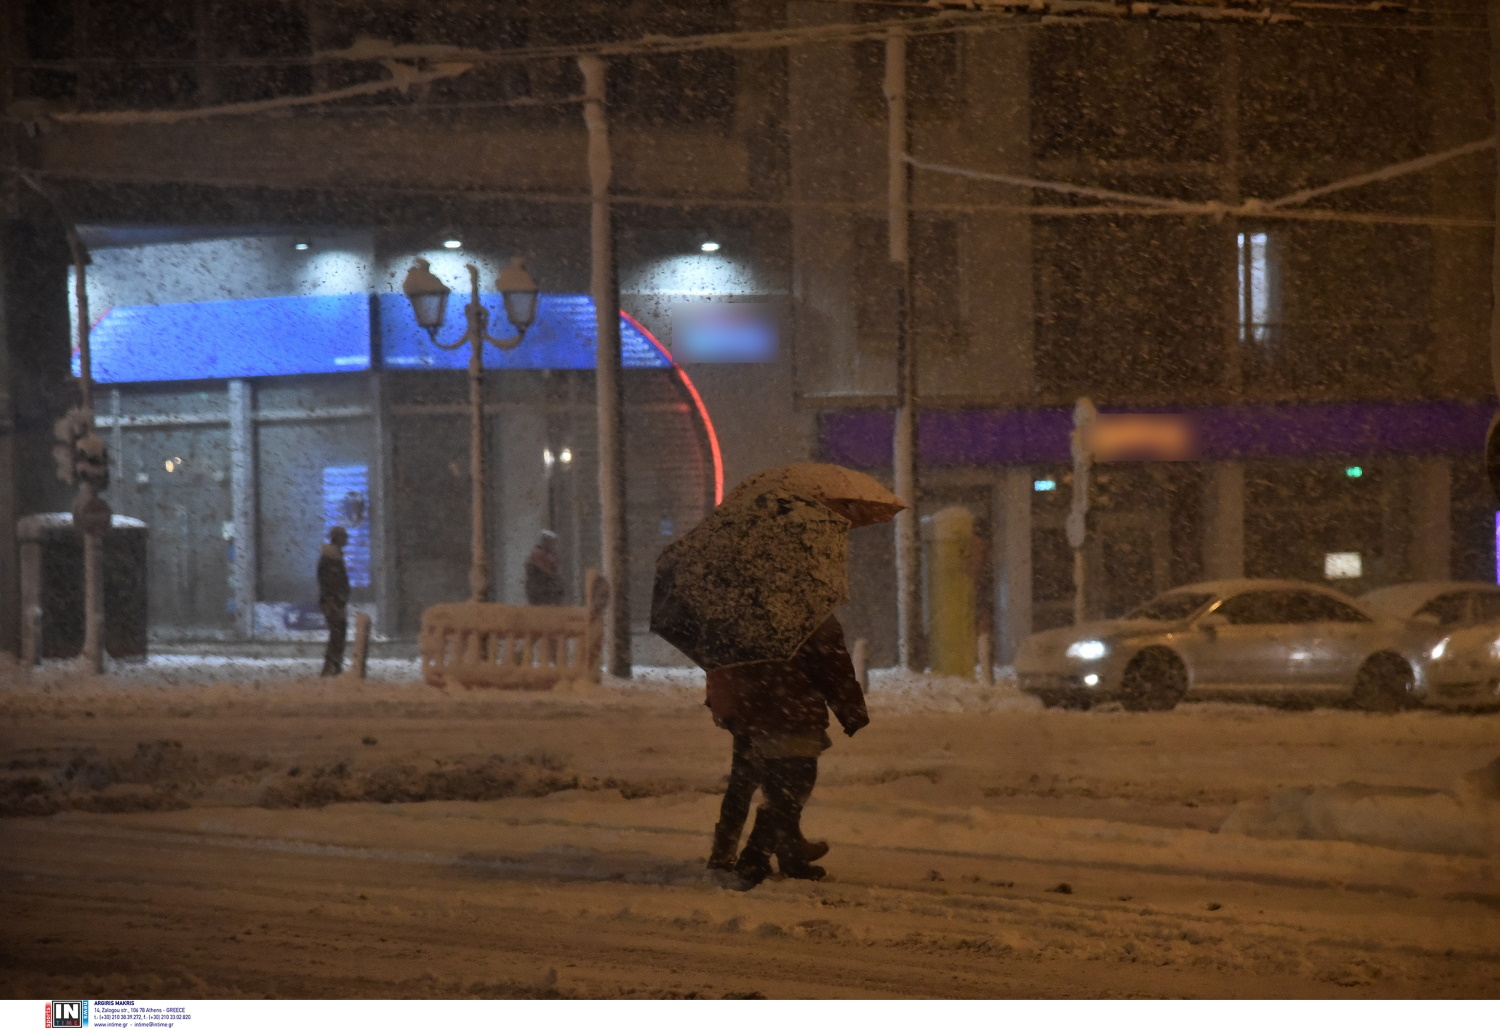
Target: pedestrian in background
{"x":333,"y":598}
{"x":544,"y":583}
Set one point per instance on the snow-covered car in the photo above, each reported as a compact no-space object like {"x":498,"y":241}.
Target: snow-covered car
{"x":1226,"y":639}
{"x":1451,"y":637}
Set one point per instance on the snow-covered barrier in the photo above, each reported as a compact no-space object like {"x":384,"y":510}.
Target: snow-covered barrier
{"x":1463,"y":821}
{"x":525,"y":647}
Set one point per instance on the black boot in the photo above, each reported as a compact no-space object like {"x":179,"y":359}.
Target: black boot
{"x":726,"y":846}
{"x":754,"y":863}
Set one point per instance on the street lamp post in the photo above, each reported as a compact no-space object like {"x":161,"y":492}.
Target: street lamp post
{"x":429,"y":302}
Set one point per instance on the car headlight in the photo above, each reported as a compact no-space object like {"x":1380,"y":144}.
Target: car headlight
{"x":1087,"y":650}
{"x":1441,"y":648}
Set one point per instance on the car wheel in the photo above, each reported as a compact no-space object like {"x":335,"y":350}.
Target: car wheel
{"x":1154,"y":681}
{"x":1384,"y":683}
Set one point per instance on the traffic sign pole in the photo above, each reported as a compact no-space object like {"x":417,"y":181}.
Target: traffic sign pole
{"x":1084,"y":417}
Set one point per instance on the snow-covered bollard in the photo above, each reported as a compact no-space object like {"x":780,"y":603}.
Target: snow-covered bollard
{"x":986,"y":660}
{"x":360,"y":657}
{"x":861,"y":657}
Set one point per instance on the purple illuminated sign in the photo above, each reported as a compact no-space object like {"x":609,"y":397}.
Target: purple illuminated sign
{"x":1027,"y":436}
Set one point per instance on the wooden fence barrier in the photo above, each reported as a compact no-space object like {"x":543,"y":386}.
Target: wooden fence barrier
{"x":519,"y":647}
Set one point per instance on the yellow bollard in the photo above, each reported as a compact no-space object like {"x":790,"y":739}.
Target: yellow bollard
{"x":950,"y":591}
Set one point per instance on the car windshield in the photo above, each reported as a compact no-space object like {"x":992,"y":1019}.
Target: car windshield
{"x":1487,"y":607}
{"x":1170,"y":607}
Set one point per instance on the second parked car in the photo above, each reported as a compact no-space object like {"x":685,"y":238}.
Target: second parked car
{"x":1451,"y":637}
{"x":1225,"y":639}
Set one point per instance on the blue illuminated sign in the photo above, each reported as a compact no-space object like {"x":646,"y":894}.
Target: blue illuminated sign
{"x":743,"y":332}
{"x":276,"y":336}
{"x":346,"y":502}
{"x":564,"y":336}
{"x":231,"y":339}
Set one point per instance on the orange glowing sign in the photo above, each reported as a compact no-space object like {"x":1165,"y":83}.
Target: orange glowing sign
{"x":1142,"y":438}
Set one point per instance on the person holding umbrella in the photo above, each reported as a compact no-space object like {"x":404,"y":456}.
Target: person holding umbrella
{"x":749,"y":595}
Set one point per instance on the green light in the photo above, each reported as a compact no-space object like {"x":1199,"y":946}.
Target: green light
{"x":1354,"y":471}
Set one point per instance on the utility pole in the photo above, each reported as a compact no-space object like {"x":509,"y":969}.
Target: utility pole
{"x":904,"y":444}
{"x":614,"y":543}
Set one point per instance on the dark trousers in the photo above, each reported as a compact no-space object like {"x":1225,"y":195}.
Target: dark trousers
{"x":333,"y":654}
{"x":785,"y":785}
{"x":744,"y":780}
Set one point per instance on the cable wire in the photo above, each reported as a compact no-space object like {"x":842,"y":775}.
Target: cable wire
{"x":487,"y":195}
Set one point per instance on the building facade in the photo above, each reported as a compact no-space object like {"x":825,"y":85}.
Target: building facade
{"x":1333,"y":354}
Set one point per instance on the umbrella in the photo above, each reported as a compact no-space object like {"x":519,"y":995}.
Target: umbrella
{"x":752,"y":581}
{"x":858,"y":497}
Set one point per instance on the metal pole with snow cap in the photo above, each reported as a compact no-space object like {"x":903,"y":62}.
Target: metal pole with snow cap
{"x":614,"y":545}
{"x":904,"y":444}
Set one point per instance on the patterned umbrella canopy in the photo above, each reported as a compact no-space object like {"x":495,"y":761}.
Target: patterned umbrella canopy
{"x":858,"y":497}
{"x":752,"y":581}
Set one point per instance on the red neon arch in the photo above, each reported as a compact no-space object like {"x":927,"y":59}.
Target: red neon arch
{"x":74,"y":352}
{"x":708,"y":423}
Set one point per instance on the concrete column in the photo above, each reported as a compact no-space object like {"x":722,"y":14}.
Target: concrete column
{"x":242,"y":494}
{"x":1229,"y":189}
{"x":117,"y":440}
{"x":383,"y":539}
{"x":1224,"y":521}
{"x":1429,"y":504}
{"x":1011,"y":548}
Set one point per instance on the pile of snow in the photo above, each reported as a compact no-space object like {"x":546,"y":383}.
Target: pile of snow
{"x":1463,"y":821}
{"x":902,"y":690}
{"x":890,"y":690}
{"x":661,"y":677}
{"x":195,"y":670}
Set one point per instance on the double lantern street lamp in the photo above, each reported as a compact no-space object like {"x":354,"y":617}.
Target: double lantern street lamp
{"x":429,"y":303}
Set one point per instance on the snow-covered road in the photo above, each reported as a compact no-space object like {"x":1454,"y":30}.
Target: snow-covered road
{"x":386,"y":839}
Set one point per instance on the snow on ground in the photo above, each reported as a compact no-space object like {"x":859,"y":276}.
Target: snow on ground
{"x":226,"y":827}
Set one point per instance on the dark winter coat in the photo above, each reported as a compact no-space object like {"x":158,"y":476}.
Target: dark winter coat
{"x":333,"y":582}
{"x":791,"y":697}
{"x":544,"y":583}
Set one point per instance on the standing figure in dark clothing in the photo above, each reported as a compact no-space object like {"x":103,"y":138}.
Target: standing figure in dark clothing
{"x":333,"y":598}
{"x":778,"y":713}
{"x":544,"y":584}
